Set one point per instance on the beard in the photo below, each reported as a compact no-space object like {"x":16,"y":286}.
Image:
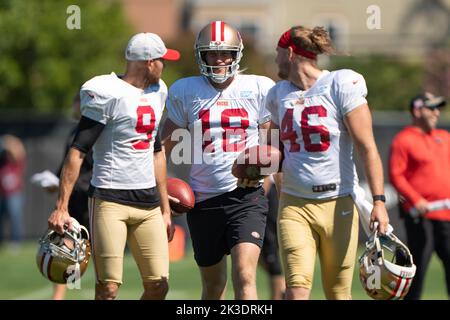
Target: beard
{"x":283,"y":71}
{"x":153,"y":79}
{"x":282,"y":75}
{"x":428,"y":123}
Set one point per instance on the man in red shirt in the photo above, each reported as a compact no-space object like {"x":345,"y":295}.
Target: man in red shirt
{"x":420,"y":171}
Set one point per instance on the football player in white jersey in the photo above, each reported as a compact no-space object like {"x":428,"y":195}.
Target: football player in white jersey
{"x":320,"y":115}
{"x":128,"y":195}
{"x":223,"y":111}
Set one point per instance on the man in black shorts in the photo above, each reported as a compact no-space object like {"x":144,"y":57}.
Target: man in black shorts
{"x":242,"y":210}
{"x":223,"y":111}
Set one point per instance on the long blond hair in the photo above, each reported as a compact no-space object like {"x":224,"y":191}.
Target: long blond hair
{"x":315,"y":40}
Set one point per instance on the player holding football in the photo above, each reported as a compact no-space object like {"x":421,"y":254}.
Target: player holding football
{"x":128,"y":195}
{"x":320,"y":114}
{"x":228,"y":108}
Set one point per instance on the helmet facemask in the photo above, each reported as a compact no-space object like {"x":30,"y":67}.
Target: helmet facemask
{"x":70,"y":245}
{"x":218,"y":36}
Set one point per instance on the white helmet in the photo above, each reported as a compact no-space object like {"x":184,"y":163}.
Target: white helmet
{"x":218,"y":36}
{"x":60,"y":256}
{"x":383,"y":279}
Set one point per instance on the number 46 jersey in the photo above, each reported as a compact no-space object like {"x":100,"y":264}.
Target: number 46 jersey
{"x":318,"y":150}
{"x":123,"y":153}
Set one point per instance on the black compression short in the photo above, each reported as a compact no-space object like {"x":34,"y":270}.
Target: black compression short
{"x":216,"y":225}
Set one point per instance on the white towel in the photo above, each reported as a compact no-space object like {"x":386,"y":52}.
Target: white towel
{"x":364,"y":208}
{"x":432,"y":206}
{"x":45,"y":179}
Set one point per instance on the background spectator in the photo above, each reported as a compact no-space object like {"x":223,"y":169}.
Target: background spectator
{"x":420,"y":171}
{"x":12,"y":169}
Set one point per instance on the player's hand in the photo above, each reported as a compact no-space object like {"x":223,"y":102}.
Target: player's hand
{"x":401,"y":198}
{"x":173,"y":199}
{"x":379,"y":217}
{"x":247,"y":183}
{"x":58,"y":220}
{"x":422,"y":206}
{"x":170,"y":227}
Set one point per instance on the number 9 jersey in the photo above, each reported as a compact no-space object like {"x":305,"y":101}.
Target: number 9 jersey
{"x":123,"y":153}
{"x":318,"y":150}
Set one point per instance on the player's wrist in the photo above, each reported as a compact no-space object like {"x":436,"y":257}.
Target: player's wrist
{"x":62,"y":205}
{"x":379,"y":199}
{"x":166,"y":211}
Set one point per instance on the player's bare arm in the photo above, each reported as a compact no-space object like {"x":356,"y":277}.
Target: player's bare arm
{"x":266,"y":185}
{"x":359,"y":124}
{"x":69,"y":176}
{"x":161,"y":183}
{"x":264,"y":132}
{"x":263,"y":139}
{"x":87,"y":133}
{"x":274,"y":131}
{"x":168,"y":144}
{"x":166,"y":137}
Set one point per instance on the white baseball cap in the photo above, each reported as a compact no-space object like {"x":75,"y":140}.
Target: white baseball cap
{"x":148,"y":46}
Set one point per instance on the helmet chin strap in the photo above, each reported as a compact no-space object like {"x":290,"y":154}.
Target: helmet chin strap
{"x":220,"y":78}
{"x":208,"y":70}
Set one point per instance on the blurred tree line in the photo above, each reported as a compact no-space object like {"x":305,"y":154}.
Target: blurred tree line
{"x":391,"y":81}
{"x":43,"y":63}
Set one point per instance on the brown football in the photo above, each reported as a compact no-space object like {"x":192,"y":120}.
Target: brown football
{"x":257,"y":162}
{"x":179,"y":189}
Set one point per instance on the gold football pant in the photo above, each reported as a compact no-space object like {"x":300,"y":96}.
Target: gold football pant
{"x":328,"y":227}
{"x":113,"y":225}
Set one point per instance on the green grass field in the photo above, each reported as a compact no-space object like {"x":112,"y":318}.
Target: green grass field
{"x":20,"y":279}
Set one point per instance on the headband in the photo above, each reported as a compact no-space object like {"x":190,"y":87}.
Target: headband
{"x":286,"y":42}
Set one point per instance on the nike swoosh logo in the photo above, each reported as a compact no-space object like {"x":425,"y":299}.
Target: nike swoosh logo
{"x":344,"y":213}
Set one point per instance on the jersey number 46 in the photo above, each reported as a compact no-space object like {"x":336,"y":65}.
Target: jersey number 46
{"x":288,"y":133}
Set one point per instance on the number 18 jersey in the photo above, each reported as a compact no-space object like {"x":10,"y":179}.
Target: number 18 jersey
{"x":318,"y":150}
{"x":222,"y":123}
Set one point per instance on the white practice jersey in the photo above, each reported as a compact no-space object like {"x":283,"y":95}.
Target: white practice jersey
{"x":123,"y":153}
{"x":228,"y":122}
{"x":318,"y":149}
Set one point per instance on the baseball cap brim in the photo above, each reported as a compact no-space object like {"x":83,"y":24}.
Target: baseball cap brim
{"x":436,"y":102}
{"x":171,"y":55}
